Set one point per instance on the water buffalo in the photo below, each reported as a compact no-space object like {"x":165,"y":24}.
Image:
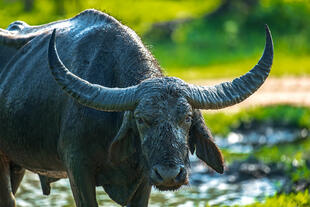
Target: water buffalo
{"x":114,"y":121}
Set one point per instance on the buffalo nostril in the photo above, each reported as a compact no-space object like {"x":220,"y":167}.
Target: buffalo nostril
{"x":181,"y":171}
{"x":182,"y":174}
{"x":157,"y":174}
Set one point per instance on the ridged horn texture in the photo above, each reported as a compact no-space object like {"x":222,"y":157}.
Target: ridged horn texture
{"x":8,"y":38}
{"x":91,"y":95}
{"x":230,"y":93}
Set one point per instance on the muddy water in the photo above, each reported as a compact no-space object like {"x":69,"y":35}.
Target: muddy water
{"x":204,"y":188}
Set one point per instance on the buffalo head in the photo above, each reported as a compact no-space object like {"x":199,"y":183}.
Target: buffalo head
{"x":164,"y":113}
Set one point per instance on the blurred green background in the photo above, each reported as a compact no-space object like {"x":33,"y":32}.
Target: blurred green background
{"x":197,"y":39}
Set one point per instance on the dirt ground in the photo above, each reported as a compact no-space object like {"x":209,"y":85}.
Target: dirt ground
{"x":286,"y":90}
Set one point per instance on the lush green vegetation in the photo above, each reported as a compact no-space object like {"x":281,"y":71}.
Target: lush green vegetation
{"x":301,"y":199}
{"x":284,"y":65}
{"x":229,"y":43}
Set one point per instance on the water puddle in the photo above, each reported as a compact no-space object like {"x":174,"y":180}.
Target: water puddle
{"x":204,"y":188}
{"x":216,"y":190}
{"x":247,"y":141}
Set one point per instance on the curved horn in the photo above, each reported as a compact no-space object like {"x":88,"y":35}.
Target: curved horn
{"x":230,"y":93}
{"x":91,"y":95}
{"x":8,"y":38}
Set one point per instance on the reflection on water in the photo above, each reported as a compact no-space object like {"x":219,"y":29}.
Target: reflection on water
{"x":246,"y":142}
{"x":204,"y":188}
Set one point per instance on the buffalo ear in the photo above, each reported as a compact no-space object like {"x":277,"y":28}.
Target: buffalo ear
{"x":200,"y":138}
{"x":123,"y":144}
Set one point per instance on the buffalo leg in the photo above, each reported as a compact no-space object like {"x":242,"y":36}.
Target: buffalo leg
{"x":46,"y":184}
{"x":141,"y":196}
{"x":16,"y":173}
{"x":82,"y":183}
{"x":6,"y":196}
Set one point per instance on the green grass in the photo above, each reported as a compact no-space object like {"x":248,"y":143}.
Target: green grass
{"x":301,"y":199}
{"x":202,"y":50}
{"x":230,"y":44}
{"x":284,"y":65}
{"x":204,"y":45}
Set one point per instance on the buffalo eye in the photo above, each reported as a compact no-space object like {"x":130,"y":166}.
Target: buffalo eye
{"x":188,"y":119}
{"x":140,"y":120}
